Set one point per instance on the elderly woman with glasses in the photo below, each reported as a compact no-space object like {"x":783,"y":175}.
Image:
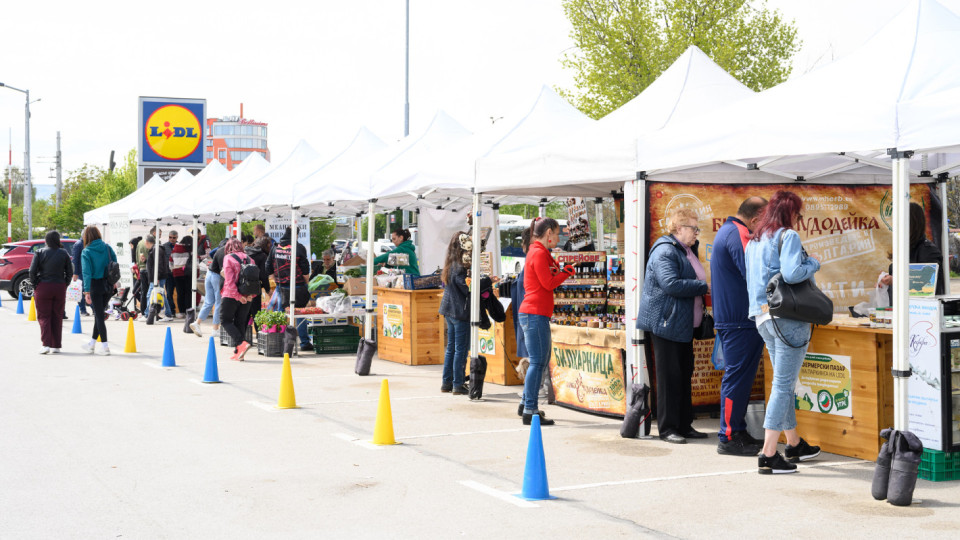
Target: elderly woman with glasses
{"x":670,"y":308}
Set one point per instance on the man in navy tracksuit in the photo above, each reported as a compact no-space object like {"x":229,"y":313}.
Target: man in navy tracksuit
{"x":738,"y":335}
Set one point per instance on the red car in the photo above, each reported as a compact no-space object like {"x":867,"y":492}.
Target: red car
{"x":15,"y":259}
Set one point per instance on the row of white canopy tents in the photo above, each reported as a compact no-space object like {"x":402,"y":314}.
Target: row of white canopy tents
{"x":695,"y":123}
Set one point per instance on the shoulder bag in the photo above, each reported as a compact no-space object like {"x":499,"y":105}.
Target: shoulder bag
{"x":705,"y":330}
{"x":797,"y":301}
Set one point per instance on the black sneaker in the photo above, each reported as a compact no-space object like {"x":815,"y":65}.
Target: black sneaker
{"x":738,"y":445}
{"x":801,"y":452}
{"x":520,"y":410}
{"x":446,"y":387}
{"x":461,"y":390}
{"x":775,"y":465}
{"x":544,"y":421}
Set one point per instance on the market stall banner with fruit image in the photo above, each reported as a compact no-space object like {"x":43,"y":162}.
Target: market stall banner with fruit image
{"x":847,"y":226}
{"x":393,"y":321}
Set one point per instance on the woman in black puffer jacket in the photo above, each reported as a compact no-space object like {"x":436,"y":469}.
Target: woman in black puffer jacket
{"x":51,"y":271}
{"x":455,"y":308}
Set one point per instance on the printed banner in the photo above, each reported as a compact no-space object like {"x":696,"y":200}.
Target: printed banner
{"x":589,"y":378}
{"x":847,"y":226}
{"x":824,"y":385}
{"x":488,"y":340}
{"x":393,"y":321}
{"x":276,"y":226}
{"x":119,"y":240}
{"x":578,"y":225}
{"x":924,"y":390}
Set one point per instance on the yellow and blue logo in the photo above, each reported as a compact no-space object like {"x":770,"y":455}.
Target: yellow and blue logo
{"x":173,"y":132}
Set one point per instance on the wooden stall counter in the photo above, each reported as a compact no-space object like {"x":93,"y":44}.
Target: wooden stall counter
{"x":844,"y":394}
{"x":409,"y":327}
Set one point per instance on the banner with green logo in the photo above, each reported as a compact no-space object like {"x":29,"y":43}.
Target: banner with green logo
{"x":488,"y":340}
{"x":393,"y":321}
{"x":824,"y":385}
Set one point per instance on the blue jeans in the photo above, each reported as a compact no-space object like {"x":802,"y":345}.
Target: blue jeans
{"x":211,"y":300}
{"x":781,"y":413}
{"x":455,"y":357}
{"x":302,"y":332}
{"x":536,"y":335}
{"x":167,"y":308}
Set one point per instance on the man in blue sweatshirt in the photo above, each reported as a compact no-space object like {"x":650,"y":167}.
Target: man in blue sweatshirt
{"x":741,"y":342}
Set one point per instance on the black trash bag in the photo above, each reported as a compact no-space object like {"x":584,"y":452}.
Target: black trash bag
{"x":290,"y":340}
{"x":365,"y":352}
{"x":478,"y":372}
{"x":638,"y":410}
{"x":188,"y":320}
{"x":907,"y":451}
{"x":881,"y":474}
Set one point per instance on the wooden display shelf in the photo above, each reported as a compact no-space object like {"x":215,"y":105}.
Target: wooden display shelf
{"x":591,"y":282}
{"x":579,"y":301}
{"x":422,"y":340}
{"x":616,"y":284}
{"x":616,"y":302}
{"x":871,"y":359}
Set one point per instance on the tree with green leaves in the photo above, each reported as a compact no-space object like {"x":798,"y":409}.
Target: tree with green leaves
{"x":624,"y":45}
{"x":91,"y":187}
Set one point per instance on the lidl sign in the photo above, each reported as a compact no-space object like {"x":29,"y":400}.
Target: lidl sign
{"x":172,"y":130}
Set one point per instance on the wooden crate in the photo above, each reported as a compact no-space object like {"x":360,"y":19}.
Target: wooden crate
{"x":871,"y":359}
{"x":422,"y":341}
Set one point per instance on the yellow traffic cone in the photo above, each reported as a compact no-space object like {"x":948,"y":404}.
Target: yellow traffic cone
{"x":287,"y":399}
{"x":32,"y":314}
{"x":383,"y":430}
{"x":131,"y":346}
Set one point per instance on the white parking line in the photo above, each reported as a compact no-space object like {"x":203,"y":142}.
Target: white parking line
{"x":699,"y":475}
{"x":153,"y":365}
{"x":269,"y":407}
{"x":507,"y":430}
{"x":357,"y":441}
{"x":506,"y":497}
{"x":373,"y":400}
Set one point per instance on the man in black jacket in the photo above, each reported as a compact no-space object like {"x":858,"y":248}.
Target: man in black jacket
{"x":278,"y":265}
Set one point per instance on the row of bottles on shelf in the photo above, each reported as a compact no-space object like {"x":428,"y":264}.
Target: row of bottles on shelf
{"x":604,"y":317}
{"x":590,"y":272}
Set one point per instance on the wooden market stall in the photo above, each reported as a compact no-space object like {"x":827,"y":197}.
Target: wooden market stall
{"x":851,"y":364}
{"x":409,"y":327}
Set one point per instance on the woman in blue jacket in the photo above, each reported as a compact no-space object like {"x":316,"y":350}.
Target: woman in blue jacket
{"x":455,"y":308}
{"x":786,"y":339}
{"x":96,"y":256}
{"x":670,"y":308}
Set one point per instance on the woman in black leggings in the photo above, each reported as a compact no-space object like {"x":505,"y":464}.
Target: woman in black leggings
{"x":95,"y":257}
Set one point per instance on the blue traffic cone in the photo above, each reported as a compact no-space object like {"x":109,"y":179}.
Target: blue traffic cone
{"x":76,"y":321}
{"x":20,"y":304}
{"x":1,"y":301}
{"x":168,"y":359}
{"x":210,"y":374}
{"x":535,"y":486}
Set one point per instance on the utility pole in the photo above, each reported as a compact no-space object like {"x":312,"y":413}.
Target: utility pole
{"x":28,"y":188}
{"x":10,"y":188}
{"x":59,"y":174}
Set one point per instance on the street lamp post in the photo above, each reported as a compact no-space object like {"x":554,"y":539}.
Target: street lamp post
{"x":28,"y":190}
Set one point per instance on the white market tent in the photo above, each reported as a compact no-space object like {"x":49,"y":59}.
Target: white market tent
{"x":899,"y":91}
{"x":598,"y":158}
{"x":102,"y":215}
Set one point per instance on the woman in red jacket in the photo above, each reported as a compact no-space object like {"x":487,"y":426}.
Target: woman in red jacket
{"x":541,"y":275}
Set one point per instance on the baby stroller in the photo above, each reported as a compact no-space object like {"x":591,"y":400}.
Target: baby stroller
{"x":120,"y":306}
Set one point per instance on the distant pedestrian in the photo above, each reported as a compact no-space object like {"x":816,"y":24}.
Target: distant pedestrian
{"x":455,"y":308}
{"x":78,"y":272}
{"x":278,"y":264}
{"x":256,"y":252}
{"x":182,"y":257}
{"x":50,"y":272}
{"x":169,"y":284}
{"x":738,"y":335}
{"x":96,"y":256}
{"x":235,"y":306}
{"x":141,"y":258}
{"x":158,"y":271}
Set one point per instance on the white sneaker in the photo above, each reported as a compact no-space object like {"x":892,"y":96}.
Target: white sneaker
{"x":195,"y":326}
{"x":179,"y":316}
{"x":105,"y":350}
{"x":55,"y":351}
{"x":88,"y":347}
{"x":44,"y":350}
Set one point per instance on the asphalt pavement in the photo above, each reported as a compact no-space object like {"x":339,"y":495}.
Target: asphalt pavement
{"x":119,"y":447}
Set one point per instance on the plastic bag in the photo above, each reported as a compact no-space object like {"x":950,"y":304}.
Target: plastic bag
{"x":878,"y":298}
{"x":320,"y":280}
{"x":75,"y":291}
{"x":719,"y":363}
{"x":335,"y":303}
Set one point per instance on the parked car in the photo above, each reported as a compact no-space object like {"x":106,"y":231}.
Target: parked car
{"x":15,"y":259}
{"x":338,"y":245}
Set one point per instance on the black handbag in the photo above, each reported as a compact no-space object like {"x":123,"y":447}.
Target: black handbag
{"x":797,"y":301}
{"x":705,"y":330}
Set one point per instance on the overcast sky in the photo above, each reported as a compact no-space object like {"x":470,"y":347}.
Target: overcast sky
{"x":312,"y":70}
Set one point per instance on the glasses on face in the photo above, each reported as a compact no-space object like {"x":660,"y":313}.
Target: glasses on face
{"x":694,"y":228}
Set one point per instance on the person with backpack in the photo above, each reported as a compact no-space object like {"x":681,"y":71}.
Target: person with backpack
{"x":241,"y":284}
{"x":98,"y":286}
{"x":258,"y":252}
{"x":50,"y":272}
{"x":278,"y":264}
{"x":162,"y":269}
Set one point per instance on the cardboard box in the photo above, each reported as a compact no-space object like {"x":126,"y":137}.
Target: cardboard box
{"x":355,"y":286}
{"x":356,"y":260}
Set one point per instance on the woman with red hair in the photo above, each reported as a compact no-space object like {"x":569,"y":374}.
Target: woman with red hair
{"x":775,"y":247}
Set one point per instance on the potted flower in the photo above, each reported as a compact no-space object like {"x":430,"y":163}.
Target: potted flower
{"x":271,"y":322}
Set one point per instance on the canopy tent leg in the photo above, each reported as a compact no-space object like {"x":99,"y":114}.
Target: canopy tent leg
{"x":196,"y":264}
{"x":156,"y":260}
{"x":944,"y":231}
{"x":635,"y":260}
{"x":493,"y":243}
{"x":475,"y":283}
{"x":239,"y":223}
{"x":294,"y":242}
{"x":598,"y":208}
{"x":900,"y":190}
{"x":371,"y":231}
